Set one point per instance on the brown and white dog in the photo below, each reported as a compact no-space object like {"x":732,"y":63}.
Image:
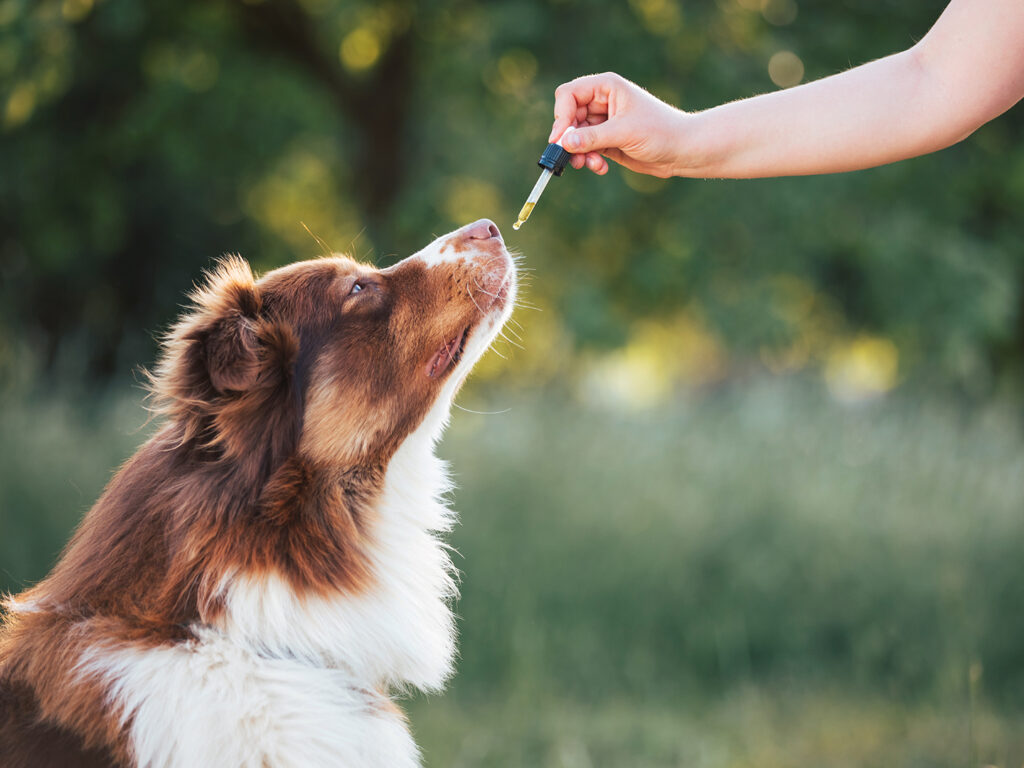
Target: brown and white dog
{"x":267,"y":568}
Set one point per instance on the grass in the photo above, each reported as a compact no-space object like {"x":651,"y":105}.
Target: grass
{"x":755,"y":577}
{"x":752,"y":727}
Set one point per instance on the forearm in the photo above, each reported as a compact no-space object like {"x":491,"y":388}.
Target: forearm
{"x":968,"y":69}
{"x":871,"y":115}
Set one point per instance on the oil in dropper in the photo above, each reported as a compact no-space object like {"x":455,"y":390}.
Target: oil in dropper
{"x":553,"y":162}
{"x":524,"y":214}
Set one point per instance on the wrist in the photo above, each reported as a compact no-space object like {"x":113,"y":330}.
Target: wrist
{"x":697,"y":153}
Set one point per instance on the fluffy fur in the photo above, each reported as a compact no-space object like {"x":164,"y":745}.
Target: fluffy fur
{"x":269,"y":567}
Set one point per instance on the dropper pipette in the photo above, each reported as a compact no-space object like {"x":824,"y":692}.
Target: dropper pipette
{"x":553,"y":162}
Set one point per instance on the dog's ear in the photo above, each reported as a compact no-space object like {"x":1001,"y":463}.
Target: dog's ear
{"x":232,"y":354}
{"x":221,"y":346}
{"x":222,"y":349}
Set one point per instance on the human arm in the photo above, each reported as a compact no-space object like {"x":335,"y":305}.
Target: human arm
{"x":968,"y":69}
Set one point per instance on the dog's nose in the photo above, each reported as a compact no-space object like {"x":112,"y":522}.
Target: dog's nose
{"x":484,"y":229}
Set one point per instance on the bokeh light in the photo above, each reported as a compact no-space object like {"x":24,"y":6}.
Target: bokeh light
{"x":360,"y":49}
{"x":785,"y":69}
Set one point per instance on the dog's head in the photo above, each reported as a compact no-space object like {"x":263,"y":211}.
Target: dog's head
{"x":335,"y":360}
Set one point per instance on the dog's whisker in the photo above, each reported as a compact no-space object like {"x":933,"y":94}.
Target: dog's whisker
{"x":473,"y":299}
{"x":359,"y":234}
{"x":485,"y":292}
{"x":523,"y":305}
{"x":481,"y":413}
{"x":514,"y":344}
{"x":320,"y":241}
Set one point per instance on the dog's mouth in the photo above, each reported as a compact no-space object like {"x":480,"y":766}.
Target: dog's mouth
{"x":448,"y":355}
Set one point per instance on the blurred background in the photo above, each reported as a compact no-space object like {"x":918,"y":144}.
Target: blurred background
{"x":747,"y":490}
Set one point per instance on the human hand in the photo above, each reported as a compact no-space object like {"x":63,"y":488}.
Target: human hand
{"x":619,"y":120}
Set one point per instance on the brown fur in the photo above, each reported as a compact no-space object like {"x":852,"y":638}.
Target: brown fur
{"x":283,"y":401}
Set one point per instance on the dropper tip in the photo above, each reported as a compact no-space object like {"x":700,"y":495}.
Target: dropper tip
{"x":517,"y":225}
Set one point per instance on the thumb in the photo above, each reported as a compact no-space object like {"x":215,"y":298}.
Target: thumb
{"x":593,"y":138}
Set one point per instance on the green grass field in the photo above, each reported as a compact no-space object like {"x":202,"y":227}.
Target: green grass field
{"x":756,"y":577}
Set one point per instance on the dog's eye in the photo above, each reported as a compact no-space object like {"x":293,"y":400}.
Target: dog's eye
{"x":357,"y":286}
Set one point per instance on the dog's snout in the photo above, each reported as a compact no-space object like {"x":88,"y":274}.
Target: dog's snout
{"x":484,"y":229}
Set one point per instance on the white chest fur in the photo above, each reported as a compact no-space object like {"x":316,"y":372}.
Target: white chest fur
{"x":398,"y":632}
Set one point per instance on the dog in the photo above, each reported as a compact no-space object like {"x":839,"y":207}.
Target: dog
{"x":260,"y":578}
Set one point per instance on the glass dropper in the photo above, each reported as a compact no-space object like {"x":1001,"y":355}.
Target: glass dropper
{"x":553,"y":162}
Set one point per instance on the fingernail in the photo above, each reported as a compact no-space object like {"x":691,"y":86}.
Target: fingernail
{"x":572,"y":141}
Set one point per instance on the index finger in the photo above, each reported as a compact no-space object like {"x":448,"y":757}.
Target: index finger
{"x":587,"y":94}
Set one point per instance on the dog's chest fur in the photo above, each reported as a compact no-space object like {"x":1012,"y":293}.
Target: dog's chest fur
{"x":400,"y":631}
